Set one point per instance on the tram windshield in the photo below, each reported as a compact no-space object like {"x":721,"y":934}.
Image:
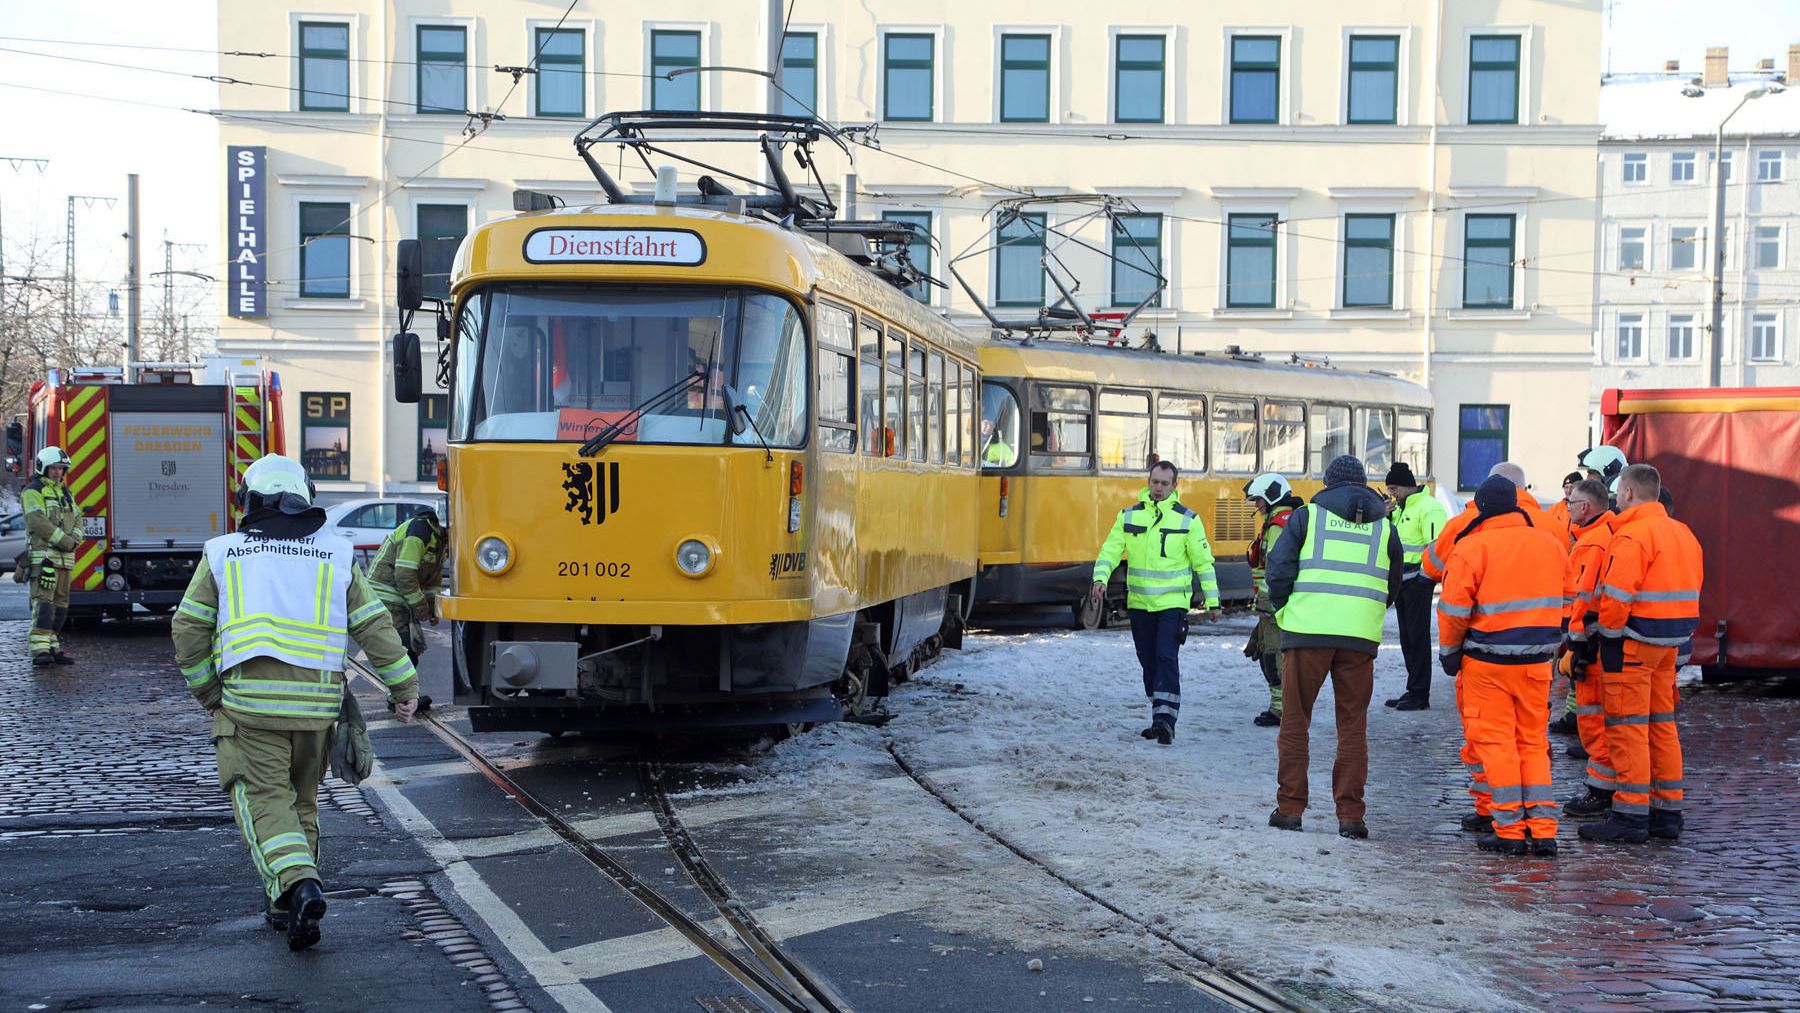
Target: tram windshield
{"x":562,"y":362}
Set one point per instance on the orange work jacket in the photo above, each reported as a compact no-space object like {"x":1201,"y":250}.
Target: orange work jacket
{"x":1502,"y":595}
{"x":1583,"y":572}
{"x":1437,"y":554}
{"x":1649,"y":588}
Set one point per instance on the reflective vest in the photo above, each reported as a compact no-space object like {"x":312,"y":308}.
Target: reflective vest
{"x":1341,"y":588}
{"x":1418,"y":522}
{"x":1649,"y":590}
{"x":1502,"y":596}
{"x":1165,"y":546}
{"x":60,"y":521}
{"x":1583,"y":574}
{"x":285,"y":599}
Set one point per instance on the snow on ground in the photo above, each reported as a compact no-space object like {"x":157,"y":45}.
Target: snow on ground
{"x":1037,"y":735}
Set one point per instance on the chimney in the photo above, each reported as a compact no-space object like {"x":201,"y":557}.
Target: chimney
{"x":1717,"y":73}
{"x":1672,"y":67}
{"x":1793,"y":67}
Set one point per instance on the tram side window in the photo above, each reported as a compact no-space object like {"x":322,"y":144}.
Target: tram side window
{"x":1124,"y":430}
{"x":1284,"y":437}
{"x":894,"y":393}
{"x":1412,"y":442}
{"x":771,"y":374}
{"x":1181,"y":431}
{"x":964,"y":428}
{"x":837,"y":379}
{"x":1234,"y":436}
{"x":1329,"y":435}
{"x":915,"y":402}
{"x":999,"y":447}
{"x":1374,"y":433}
{"x":934,"y":408}
{"x":1061,"y":433}
{"x":953,"y":413}
{"x":874,"y":439}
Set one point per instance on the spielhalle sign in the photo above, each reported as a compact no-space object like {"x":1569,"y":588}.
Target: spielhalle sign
{"x":246,"y":208}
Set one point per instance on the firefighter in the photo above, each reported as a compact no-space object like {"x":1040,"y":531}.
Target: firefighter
{"x":1648,"y":604}
{"x":1165,"y":546}
{"x":1499,"y":623}
{"x":53,"y":531}
{"x":1594,"y":524}
{"x":1603,"y":463}
{"x":405,"y":576}
{"x":261,"y":636}
{"x":1418,"y":516}
{"x":1274,"y":498}
{"x":1332,"y":574}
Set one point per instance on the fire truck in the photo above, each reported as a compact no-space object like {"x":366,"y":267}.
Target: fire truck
{"x":155,"y":466}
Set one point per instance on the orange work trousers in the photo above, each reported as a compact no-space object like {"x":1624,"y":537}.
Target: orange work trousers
{"x":1478,"y":783}
{"x":1506,"y":711}
{"x":1640,"y":730}
{"x":1590,"y":721}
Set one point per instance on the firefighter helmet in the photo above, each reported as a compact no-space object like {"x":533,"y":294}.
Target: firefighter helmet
{"x":52,"y":457}
{"x":1270,"y":487}
{"x":278,"y":482}
{"x":1608,"y":461}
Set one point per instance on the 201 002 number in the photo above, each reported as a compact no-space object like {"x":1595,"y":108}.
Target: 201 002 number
{"x":582,"y":568}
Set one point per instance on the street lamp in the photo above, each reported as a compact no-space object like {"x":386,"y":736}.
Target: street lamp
{"x":1717,"y":357}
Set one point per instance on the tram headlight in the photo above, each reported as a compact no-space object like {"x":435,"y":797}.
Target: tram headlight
{"x":693,"y":558}
{"x":493,"y":555}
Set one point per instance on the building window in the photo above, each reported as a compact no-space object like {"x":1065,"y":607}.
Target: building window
{"x":441,"y":228}
{"x":1768,"y":167}
{"x":1631,"y":248}
{"x":562,"y":72}
{"x":1488,"y":261}
{"x":1765,"y":338}
{"x":1136,"y":259}
{"x":325,"y":435}
{"x":324,"y":66}
{"x":669,"y":51}
{"x":800,"y":74}
{"x":918,"y":250}
{"x":1250,"y":261}
{"x":906,"y":83}
{"x":1374,"y":78}
{"x":1768,"y":247}
{"x":434,"y":433}
{"x":1684,"y":247}
{"x":1256,"y":79}
{"x":1681,"y":336}
{"x":1481,"y":442}
{"x":1138,"y":69}
{"x":1025,"y":79}
{"x":1636,"y":167}
{"x":1368,"y":260}
{"x":1681,"y":167}
{"x":1124,"y":430}
{"x":443,"y":69}
{"x":1631,"y":337}
{"x":1019,"y":274}
{"x":324,"y":251}
{"x":1494,"y":79}
{"x":1725,"y":160}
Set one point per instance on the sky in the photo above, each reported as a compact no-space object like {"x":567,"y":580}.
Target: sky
{"x":93,"y":142}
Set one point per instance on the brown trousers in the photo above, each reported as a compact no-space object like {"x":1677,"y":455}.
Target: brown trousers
{"x":1303,"y":674}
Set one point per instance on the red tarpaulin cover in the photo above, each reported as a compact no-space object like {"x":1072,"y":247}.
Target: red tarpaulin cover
{"x":1735,"y":479}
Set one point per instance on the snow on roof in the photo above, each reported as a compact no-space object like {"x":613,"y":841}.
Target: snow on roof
{"x":1648,"y":107}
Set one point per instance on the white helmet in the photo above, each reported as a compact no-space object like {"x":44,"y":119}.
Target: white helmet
{"x":276,"y":481}
{"x":51,"y":457}
{"x":1270,"y":487}
{"x":1608,"y":461}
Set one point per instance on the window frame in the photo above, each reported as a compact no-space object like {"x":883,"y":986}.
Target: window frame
{"x":1352,"y":67}
{"x":1314,"y":408}
{"x":1216,"y":402}
{"x":918,"y":356}
{"x":1233,"y":68}
{"x":305,"y":237}
{"x":1758,"y":245}
{"x":1774,"y":320}
{"x":1691,"y":354}
{"x":1764,"y":161}
{"x":1204,"y":418}
{"x":870,"y":369}
{"x":923,"y":291}
{"x":1263,"y":428}
{"x":1036,"y":240}
{"x":1517,"y":66}
{"x":1359,"y":418}
{"x":420,"y":62}
{"x":1148,"y":415}
{"x":538,"y":31}
{"x":1118,"y":37}
{"x":346,"y":424}
{"x":1628,"y":160}
{"x":438,"y":204}
{"x":655,"y":69}
{"x":1512,"y":257}
{"x":934,"y":103}
{"x":1274,"y":247}
{"x":1688,"y":159}
{"x":1637,"y":320}
{"x":1643,"y":248}
{"x":1463,"y":433}
{"x":836,"y":352}
{"x":1115,"y":235}
{"x":300,"y":48}
{"x":1694,"y":246}
{"x":1037,"y":460}
{"x":1352,"y":243}
{"x":817,"y":67}
{"x":1002,"y":65}
{"x":426,"y":400}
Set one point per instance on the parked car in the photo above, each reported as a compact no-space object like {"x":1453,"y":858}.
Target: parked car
{"x":367,"y":521}
{"x":12,"y":540}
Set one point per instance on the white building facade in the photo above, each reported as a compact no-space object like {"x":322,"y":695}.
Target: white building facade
{"x":1389,"y":184}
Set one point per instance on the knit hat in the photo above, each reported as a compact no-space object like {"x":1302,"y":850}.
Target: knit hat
{"x":1496,"y":495}
{"x":1401,"y":474}
{"x":1573,"y":477}
{"x":1345,"y":469}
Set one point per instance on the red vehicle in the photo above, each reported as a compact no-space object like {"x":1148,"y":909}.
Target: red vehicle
{"x":155,"y":464}
{"x":1731,"y":459}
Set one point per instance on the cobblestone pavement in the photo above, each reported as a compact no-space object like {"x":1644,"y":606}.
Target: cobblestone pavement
{"x":1710,"y":922}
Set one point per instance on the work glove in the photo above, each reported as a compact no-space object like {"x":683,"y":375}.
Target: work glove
{"x":1612,"y":654}
{"x":1566,"y":665}
{"x":1452,"y":663}
{"x":47,"y":577}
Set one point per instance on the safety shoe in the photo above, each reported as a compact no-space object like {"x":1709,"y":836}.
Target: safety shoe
{"x":1577,"y":751}
{"x":1353,"y":829}
{"x":1163,"y":734}
{"x":43,"y":658}
{"x":1476,"y":823}
{"x":60,"y":658}
{"x":1267,"y":719}
{"x":306,"y":905}
{"x":275,"y":915}
{"x":1564,"y":725}
{"x":1543,"y":848}
{"x":1504,"y":845}
{"x":1413,"y":703}
{"x":1282,"y":821}
{"x":1149,"y":733}
{"x":1395,"y":702}
{"x":1665,"y":825}
{"x":1587,"y":806}
{"x":1619,"y":828}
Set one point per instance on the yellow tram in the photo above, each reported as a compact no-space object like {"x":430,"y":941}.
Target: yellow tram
{"x":703,"y":469}
{"x":1069,"y":430}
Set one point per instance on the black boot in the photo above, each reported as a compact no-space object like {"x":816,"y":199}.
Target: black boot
{"x":1282,"y":821}
{"x":1395,"y":702}
{"x":306,"y":905}
{"x":1587,"y":806}
{"x":42,"y":659}
{"x":1545,"y":848}
{"x":1619,"y":828}
{"x":275,"y":914}
{"x":1267,"y":719}
{"x":1665,"y":824}
{"x":1577,"y":750}
{"x":1413,"y":703}
{"x":1356,"y":830}
{"x":1504,"y":845}
{"x":1163,"y":733}
{"x":1475,"y":823}
{"x":1149,"y":733}
{"x":60,"y":658}
{"x":1564,"y":725}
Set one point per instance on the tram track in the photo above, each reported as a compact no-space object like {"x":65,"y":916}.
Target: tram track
{"x":750,"y":954}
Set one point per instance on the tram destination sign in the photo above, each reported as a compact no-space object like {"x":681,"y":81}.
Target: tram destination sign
{"x":675,"y":247}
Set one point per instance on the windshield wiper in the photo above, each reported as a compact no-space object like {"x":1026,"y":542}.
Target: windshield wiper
{"x":735,"y":409}
{"x":599,"y":440}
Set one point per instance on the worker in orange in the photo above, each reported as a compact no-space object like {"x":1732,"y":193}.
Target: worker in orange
{"x":1593,"y":522}
{"x":1648,"y":600}
{"x":1559,"y":510}
{"x":1438,"y":553}
{"x":1499,"y":623}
